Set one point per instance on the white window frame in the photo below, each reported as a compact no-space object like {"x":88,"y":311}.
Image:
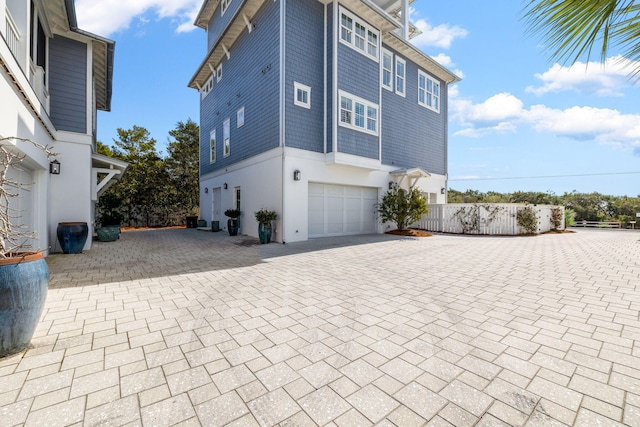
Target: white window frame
{"x":212,"y":146}
{"x":370,"y":113}
{"x":207,"y":87}
{"x":359,"y":42}
{"x":219,"y":73}
{"x":429,"y":97}
{"x":224,"y":5}
{"x":240,"y":117}
{"x":303,"y":89}
{"x":401,"y":77}
{"x":386,"y":53}
{"x":226,"y":135}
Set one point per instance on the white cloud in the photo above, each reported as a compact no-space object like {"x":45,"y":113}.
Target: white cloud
{"x":606,"y":79}
{"x":504,"y":112}
{"x":106,"y":17}
{"x":440,"y":36}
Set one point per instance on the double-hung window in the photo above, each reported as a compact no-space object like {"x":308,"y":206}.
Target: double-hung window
{"x":359,"y":35}
{"x":387,"y":70}
{"x":212,"y":145}
{"x":401,"y":72}
{"x":358,"y":114}
{"x":428,"y":92}
{"x":226,"y":130}
{"x":219,"y":73}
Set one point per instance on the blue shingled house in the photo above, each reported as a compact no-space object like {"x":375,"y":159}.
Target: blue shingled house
{"x":312,"y":108}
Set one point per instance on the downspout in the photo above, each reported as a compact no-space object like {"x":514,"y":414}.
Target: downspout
{"x":334,"y":112}
{"x":283,"y":20}
{"x":324,"y":127}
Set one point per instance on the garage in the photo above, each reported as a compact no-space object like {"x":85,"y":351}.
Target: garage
{"x":337,"y":210}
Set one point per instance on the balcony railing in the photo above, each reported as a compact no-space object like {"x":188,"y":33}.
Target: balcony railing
{"x":12,"y":35}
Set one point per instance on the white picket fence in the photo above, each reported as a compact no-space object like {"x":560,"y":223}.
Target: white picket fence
{"x":484,"y":218}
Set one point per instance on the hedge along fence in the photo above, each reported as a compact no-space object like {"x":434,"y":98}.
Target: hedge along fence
{"x":492,"y":218}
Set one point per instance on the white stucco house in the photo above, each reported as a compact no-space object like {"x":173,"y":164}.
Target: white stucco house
{"x":53,"y":79}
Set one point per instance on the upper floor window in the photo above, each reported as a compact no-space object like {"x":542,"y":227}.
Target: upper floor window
{"x":301,"y":95}
{"x":428,"y":92}
{"x":401,"y":72}
{"x":357,"y":113}
{"x":240,"y":117}
{"x":226,"y":131}
{"x":224,"y":5}
{"x":219,"y":73}
{"x":206,"y":88}
{"x":387,"y":69}
{"x":359,"y":35}
{"x":212,"y":145}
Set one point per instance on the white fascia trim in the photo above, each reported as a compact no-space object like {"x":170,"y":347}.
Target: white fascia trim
{"x":352,"y":160}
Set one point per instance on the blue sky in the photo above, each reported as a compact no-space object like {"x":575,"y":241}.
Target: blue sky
{"x":515,"y":117}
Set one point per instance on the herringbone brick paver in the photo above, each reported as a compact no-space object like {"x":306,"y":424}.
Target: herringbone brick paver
{"x":183,"y":327}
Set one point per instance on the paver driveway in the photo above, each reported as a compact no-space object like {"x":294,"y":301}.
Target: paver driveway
{"x":185,"y":327}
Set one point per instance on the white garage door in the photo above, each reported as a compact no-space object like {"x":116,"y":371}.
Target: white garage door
{"x":22,"y":207}
{"x":336,"y":210}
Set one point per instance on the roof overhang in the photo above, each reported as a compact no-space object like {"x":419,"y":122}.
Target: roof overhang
{"x":239,"y":22}
{"x":205,"y":13}
{"x":105,"y":171}
{"x":416,"y":55}
{"x":412,"y":174}
{"x":372,"y":12}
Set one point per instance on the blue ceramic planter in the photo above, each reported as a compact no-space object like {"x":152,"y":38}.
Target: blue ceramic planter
{"x":233,"y":225}
{"x":264,"y":232}
{"x":72,"y":236}
{"x":23,"y":291}
{"x":108,"y":233}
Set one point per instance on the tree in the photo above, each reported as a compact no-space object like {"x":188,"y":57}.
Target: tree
{"x":573,"y":28}
{"x":402,"y":207}
{"x":183,"y":164}
{"x":143,"y":187}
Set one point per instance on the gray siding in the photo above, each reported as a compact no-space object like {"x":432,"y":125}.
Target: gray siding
{"x":305,"y":64}
{"x":218,"y":23}
{"x":360,"y":76}
{"x":250,"y":78}
{"x":412,"y":135}
{"x":68,"y":84}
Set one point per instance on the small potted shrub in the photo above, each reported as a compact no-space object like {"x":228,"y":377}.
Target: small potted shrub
{"x":233,"y":223}
{"x":110,"y":227}
{"x":264,"y":218}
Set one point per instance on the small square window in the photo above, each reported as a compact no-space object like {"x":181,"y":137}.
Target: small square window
{"x":302,"y":95}
{"x":240,"y":117}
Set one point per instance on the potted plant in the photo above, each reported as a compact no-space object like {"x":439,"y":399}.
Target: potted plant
{"x":24,"y":274}
{"x":264,"y":218}
{"x":233,"y":223}
{"x":109,"y":230}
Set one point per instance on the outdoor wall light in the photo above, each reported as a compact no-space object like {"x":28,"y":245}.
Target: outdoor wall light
{"x":225,"y":186}
{"x":206,"y":190}
{"x":443,"y":190}
{"x":54,"y":167}
{"x":296,"y":175}
{"x":390,"y":185}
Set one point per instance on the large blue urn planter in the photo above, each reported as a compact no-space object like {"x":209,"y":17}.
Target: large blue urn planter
{"x":264,"y":232}
{"x":23,"y":290}
{"x":72,"y":236}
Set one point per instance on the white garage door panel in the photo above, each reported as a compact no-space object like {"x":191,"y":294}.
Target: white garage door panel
{"x":336,"y":210}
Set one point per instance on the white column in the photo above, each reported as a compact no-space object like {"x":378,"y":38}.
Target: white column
{"x":405,"y":19}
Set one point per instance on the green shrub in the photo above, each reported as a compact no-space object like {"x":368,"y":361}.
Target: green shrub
{"x":232,"y":213}
{"x":402,"y":207}
{"x":569,"y":217}
{"x":527,"y":219}
{"x":265,"y":216}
